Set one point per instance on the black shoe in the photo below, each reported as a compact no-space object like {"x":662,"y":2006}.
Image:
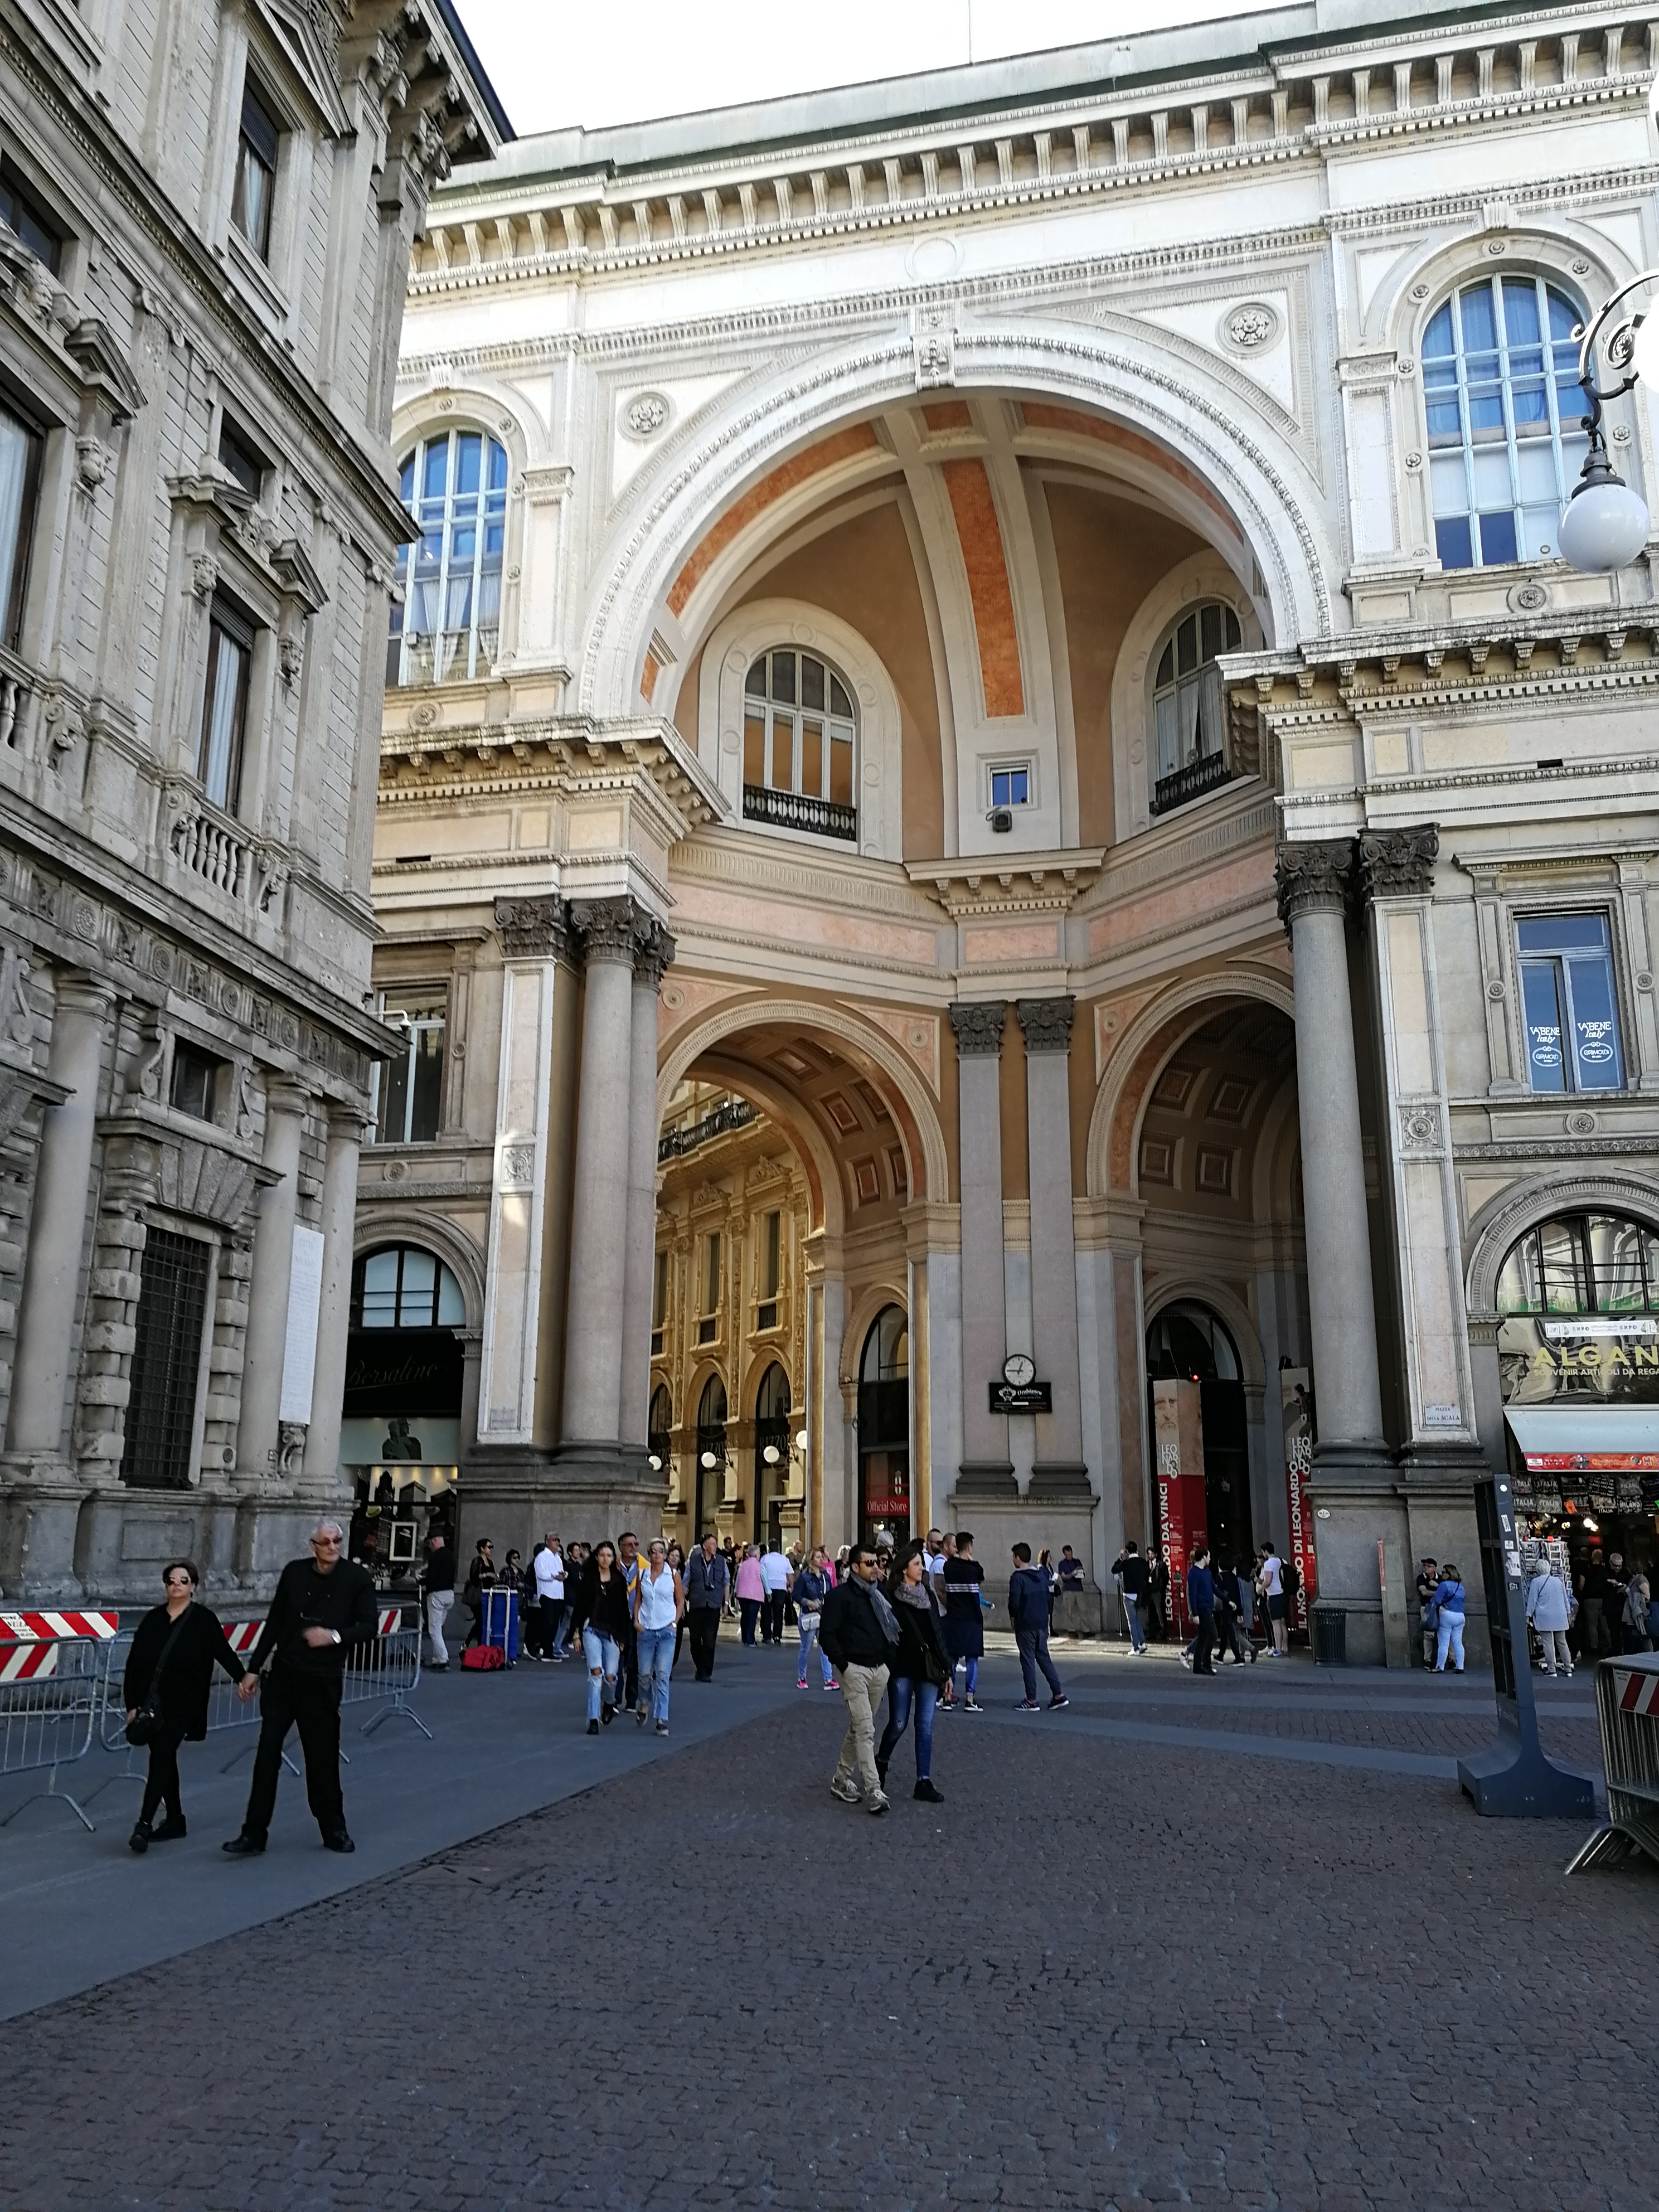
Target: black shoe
{"x":607,"y":1714}
{"x":881,"y":1774}
{"x":339,"y":1841}
{"x":139,"y":1840}
{"x":170,"y":1830}
{"x":244,"y":1847}
{"x":1059,"y":1701}
{"x":592,"y":1727}
{"x":928,"y":1795}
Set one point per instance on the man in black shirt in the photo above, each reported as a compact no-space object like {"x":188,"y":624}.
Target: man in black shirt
{"x":1136,"y":1581}
{"x":323,"y":1607}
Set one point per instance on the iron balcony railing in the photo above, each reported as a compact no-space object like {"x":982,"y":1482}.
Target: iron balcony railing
{"x":1208,"y":773}
{"x":792,"y":810}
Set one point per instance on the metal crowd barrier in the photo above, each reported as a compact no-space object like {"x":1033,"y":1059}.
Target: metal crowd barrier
{"x":54,"y":1669}
{"x":389,"y":1667}
{"x":225,"y":1709}
{"x":1627,"y":1708}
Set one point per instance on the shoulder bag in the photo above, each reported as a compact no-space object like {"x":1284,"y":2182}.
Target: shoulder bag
{"x":146,"y":1723}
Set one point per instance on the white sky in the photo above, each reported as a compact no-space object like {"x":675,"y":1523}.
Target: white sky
{"x":631,"y":59}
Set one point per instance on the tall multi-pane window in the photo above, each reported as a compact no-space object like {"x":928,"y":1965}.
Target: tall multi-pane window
{"x":799,"y":739}
{"x":408,"y":1100}
{"x":768,"y":1270}
{"x":1187,"y":705}
{"x":224,"y":705}
{"x":405,"y":1287}
{"x":1500,"y":380}
{"x":20,"y":470}
{"x":1569,"y":1003}
{"x":709,"y":1301}
{"x":659,"y":1302}
{"x":167,"y":1362}
{"x":448,"y":628}
{"x":258,"y":142}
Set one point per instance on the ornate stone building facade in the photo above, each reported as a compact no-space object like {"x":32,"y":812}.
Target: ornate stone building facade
{"x":1043,"y":579}
{"x":206,"y":215}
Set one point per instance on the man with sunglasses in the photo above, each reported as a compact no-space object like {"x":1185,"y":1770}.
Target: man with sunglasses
{"x":323,"y":1607}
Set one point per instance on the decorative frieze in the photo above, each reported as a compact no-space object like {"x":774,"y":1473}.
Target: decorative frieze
{"x":1313,"y":877}
{"x":979,"y":1029}
{"x":1047,"y":1022}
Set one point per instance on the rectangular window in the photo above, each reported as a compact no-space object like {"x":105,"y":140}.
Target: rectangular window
{"x":769,"y":1270}
{"x":166,"y":1360}
{"x":1569,"y":1003}
{"x":258,"y":144}
{"x":659,"y":1302}
{"x":195,"y":1087}
{"x":711,"y":1285}
{"x":409,"y":1104}
{"x":27,"y":215}
{"x":1011,"y":786}
{"x":224,"y":706}
{"x":19,"y":471}
{"x":238,"y":457}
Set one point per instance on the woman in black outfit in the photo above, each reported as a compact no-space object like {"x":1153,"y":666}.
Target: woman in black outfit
{"x":920,"y":1667}
{"x":186,"y":1641}
{"x":602,"y":1605}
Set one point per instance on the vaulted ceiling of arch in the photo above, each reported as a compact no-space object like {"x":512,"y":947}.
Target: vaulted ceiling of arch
{"x":1221,"y":1098}
{"x":993,"y":551}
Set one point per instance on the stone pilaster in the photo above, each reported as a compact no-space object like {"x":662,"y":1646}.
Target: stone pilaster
{"x":258,"y":1432}
{"x":986,"y":1467}
{"x":1047,"y":1023}
{"x":654,"y":951}
{"x":346,"y":1125}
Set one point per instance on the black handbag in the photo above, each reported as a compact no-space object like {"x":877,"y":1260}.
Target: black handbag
{"x":146,"y":1723}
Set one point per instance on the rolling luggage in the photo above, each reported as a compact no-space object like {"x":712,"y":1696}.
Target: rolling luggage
{"x":498,"y":1623}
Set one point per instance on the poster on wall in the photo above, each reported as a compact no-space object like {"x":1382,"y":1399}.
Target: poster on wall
{"x":1297,"y":1408}
{"x":1178,"y":1450}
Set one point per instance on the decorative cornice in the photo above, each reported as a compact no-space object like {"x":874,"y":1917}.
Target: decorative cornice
{"x":534,"y":928}
{"x":1398,"y":863}
{"x":1313,"y":877}
{"x":1005,"y":883}
{"x":1047,"y":1022}
{"x":607,"y":927}
{"x":979,"y":1029}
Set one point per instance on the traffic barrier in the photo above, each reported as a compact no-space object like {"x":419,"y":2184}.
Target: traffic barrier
{"x":1627,"y":1708}
{"x":54,"y":1669}
{"x":388,"y":1667}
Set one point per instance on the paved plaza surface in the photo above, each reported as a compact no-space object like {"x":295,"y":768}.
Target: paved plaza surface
{"x":1229,"y":1943}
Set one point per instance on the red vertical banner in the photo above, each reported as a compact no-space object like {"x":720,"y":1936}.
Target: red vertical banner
{"x":1299,"y":1486}
{"x":1178,"y":1441}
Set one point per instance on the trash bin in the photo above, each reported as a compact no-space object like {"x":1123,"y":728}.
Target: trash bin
{"x":1330,"y":1637}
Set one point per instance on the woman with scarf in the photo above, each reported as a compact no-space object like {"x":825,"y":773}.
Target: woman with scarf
{"x":919,"y":1669}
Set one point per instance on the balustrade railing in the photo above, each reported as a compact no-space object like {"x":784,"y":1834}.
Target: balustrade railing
{"x":793,"y":810}
{"x":1208,"y":773}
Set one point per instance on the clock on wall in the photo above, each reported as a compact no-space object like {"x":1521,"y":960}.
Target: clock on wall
{"x":1018,"y":1369}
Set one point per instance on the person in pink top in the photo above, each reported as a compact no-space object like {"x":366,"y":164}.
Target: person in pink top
{"x":751,"y":1590}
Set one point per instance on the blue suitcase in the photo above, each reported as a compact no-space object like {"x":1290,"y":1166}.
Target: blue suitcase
{"x":500,"y":1623}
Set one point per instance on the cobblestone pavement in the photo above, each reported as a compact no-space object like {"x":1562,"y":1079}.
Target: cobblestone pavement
{"x":1100,"y":1975}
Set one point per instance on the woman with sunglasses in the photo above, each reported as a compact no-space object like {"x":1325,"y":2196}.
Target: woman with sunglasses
{"x":176,"y":1648}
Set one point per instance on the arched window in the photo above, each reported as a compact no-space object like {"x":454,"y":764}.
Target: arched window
{"x":887,"y":1348}
{"x":1186,"y":1340}
{"x":711,"y":1406}
{"x":1500,"y":381}
{"x":658,"y":1427}
{"x":799,"y":745}
{"x":1582,"y":1263}
{"x":403,"y":1286}
{"x":1187,"y":711}
{"x":454,"y":485}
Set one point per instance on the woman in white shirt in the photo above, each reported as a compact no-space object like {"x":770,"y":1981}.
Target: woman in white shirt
{"x":659,"y":1602}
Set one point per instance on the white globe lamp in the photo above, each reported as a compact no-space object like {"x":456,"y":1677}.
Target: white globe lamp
{"x":1604,"y":526}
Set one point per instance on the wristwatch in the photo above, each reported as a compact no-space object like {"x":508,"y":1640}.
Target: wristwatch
{"x":335,"y":1633}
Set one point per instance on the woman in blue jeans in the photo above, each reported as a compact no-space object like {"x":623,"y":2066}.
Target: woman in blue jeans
{"x":604,"y":1630}
{"x":1449,"y":1606}
{"x":811,"y":1587}
{"x":919,"y":1669}
{"x":659,"y":1604}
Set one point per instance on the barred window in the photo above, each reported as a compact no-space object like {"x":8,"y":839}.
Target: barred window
{"x":166,"y":1361}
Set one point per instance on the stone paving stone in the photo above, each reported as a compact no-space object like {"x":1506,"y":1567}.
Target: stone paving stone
{"x":1102,"y":1974}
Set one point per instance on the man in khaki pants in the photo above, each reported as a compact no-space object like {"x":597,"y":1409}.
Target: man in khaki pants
{"x":860,"y":1635}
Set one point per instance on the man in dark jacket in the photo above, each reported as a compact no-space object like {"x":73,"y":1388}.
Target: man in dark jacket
{"x":1200,"y":1603}
{"x":860,"y":1634}
{"x":1132,"y":1579}
{"x":323,"y":1607}
{"x":705,"y":1596}
{"x":1028,"y":1616}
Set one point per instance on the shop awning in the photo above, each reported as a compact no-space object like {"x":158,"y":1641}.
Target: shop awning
{"x":1583,"y":1439}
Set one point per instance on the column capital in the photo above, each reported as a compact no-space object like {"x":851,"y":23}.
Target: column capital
{"x":607,"y":927}
{"x":1313,"y":877}
{"x":653,"y":952}
{"x":1399,"y":863}
{"x":348,"y":1121}
{"x":76,"y":991}
{"x":978,"y":1025}
{"x":283,"y":1095}
{"x":1047,"y":1022}
{"x":534,"y":928}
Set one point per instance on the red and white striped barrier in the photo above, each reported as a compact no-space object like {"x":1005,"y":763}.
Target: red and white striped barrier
{"x":44,"y":1627}
{"x":1637,"y":1693}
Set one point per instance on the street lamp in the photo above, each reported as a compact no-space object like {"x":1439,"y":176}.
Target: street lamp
{"x":1604,"y":526}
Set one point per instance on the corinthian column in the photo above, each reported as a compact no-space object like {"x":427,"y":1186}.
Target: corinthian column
{"x":654,"y":949}
{"x":598,"y":1224}
{"x":1313,"y":891}
{"x":986,"y":1465}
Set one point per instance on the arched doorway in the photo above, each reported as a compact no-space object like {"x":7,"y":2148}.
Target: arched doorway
{"x":400,"y":1428}
{"x":884,"y":1429}
{"x":710,"y":1484}
{"x":771,"y":1485}
{"x":1188,"y":1343}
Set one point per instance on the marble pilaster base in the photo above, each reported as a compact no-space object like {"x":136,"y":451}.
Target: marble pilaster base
{"x":513,"y":1494}
{"x":1418,"y":1505}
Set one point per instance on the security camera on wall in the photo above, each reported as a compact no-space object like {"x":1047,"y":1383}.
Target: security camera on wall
{"x":1001,"y":819}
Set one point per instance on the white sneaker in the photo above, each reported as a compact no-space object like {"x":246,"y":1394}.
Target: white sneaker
{"x":878,"y":1803}
{"x":845,"y":1792}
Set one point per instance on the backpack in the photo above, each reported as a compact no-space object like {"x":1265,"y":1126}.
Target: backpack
{"x":1289,"y":1581}
{"x":483,"y":1658}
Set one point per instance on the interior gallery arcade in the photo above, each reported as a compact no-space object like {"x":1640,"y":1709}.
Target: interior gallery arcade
{"x":1019,"y":891}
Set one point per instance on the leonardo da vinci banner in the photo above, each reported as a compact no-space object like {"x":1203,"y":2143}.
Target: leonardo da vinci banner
{"x":1299,"y":1480}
